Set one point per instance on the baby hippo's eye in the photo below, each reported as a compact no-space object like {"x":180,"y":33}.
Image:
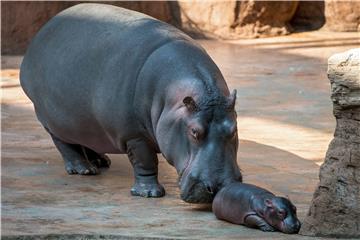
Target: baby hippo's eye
{"x":294,"y":209}
{"x":281,"y":213}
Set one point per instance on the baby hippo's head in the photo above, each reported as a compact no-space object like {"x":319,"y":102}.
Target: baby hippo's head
{"x":281,"y":214}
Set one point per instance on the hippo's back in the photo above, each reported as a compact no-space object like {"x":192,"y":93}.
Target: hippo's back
{"x":80,"y":70}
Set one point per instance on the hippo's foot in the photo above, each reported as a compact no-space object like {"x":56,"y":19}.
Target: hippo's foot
{"x":98,"y":160}
{"x":148,"y":190}
{"x":147,"y":186}
{"x":256,"y":221}
{"x":267,"y":228}
{"x":102,"y":161}
{"x":75,"y":157}
{"x":80,"y":167}
{"x":144,"y":160}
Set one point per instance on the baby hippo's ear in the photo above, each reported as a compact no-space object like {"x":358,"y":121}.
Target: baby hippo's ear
{"x":232,"y":99}
{"x":269,"y":203}
{"x":190,"y":104}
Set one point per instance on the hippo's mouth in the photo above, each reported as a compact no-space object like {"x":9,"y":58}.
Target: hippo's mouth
{"x":285,"y":228}
{"x":184,"y":172}
{"x":192,"y":190}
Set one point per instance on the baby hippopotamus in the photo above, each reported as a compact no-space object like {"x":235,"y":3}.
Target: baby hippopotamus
{"x":255,"y":207}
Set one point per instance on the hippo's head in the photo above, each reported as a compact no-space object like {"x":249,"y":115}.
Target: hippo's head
{"x":281,"y":214}
{"x":201,"y":142}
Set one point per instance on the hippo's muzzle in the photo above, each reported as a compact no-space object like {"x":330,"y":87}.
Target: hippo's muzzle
{"x":194,"y":190}
{"x":197,"y":193}
{"x":290,"y":226}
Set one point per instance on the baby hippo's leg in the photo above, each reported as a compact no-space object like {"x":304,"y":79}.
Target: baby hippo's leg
{"x":254,"y":221}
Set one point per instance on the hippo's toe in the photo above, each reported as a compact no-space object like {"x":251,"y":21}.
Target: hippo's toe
{"x":82,"y":169}
{"x":89,"y":171}
{"x":70,"y":170}
{"x":267,"y":228}
{"x":105,"y":161}
{"x":101,"y":161}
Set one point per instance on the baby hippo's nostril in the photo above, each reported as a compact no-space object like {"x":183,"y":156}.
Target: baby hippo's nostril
{"x":209,"y":189}
{"x":296,"y":226}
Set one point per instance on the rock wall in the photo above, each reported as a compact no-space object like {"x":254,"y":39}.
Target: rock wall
{"x":229,"y":19}
{"x":251,"y":19}
{"x":20,"y":21}
{"x":264,"y":18}
{"x":335,"y":208}
{"x":234,"y":19}
{"x":342,"y":16}
{"x":200,"y":18}
{"x":309,"y":15}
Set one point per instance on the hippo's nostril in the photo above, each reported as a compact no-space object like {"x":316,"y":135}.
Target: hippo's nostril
{"x":296,"y":227}
{"x":209,"y":189}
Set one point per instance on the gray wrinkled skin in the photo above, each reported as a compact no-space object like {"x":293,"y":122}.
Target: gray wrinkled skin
{"x":255,"y":207}
{"x":108,"y":80}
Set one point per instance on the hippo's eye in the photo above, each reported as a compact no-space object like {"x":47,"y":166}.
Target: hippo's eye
{"x":281,"y":213}
{"x":195,"y":133}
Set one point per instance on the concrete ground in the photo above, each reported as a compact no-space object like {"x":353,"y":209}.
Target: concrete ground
{"x":285,"y":123}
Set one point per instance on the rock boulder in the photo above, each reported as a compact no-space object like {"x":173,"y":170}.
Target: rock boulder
{"x":335,"y":208}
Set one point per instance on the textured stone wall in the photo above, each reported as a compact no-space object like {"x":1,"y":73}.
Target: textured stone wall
{"x":309,"y":15}
{"x":200,"y":18}
{"x":20,"y":21}
{"x":335,"y":208}
{"x":251,"y":19}
{"x":234,"y":19}
{"x":219,"y":19}
{"x":264,"y":18}
{"x":342,"y":16}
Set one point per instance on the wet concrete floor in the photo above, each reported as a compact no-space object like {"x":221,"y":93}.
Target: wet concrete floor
{"x":285,"y":123}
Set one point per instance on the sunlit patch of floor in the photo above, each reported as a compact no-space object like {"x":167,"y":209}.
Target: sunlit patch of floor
{"x":305,"y":142}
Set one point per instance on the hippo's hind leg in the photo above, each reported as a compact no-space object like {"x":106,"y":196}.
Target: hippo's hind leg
{"x":75,"y":158}
{"x":255,"y":221}
{"x":97,"y":159}
{"x":145,"y":163}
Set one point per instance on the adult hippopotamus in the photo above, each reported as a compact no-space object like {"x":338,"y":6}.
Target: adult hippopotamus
{"x":104,"y":79}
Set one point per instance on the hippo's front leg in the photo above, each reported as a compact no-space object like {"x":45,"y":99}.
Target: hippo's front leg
{"x":254,"y":221}
{"x":145,"y":163}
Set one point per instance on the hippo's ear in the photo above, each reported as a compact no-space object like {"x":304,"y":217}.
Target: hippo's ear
{"x":190,"y":104}
{"x":232,"y":99}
